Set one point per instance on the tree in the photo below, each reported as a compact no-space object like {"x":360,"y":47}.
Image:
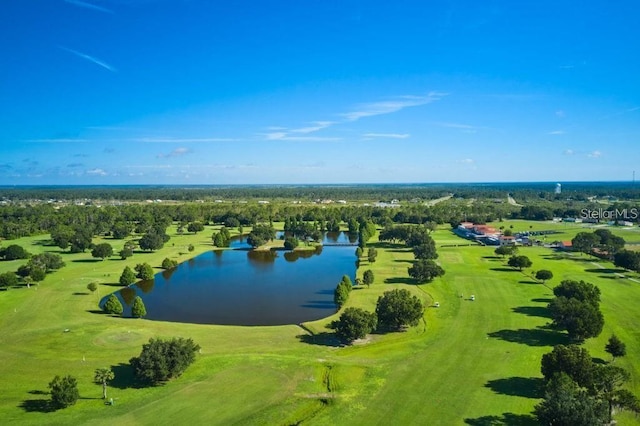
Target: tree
{"x":508,"y":250}
{"x":290,"y":243}
{"x":359,"y":252}
{"x":372,"y":254}
{"x":48,"y":261}
{"x":125,"y":253}
{"x":144,"y":271}
{"x":607,"y":382}
{"x":191,"y":247}
{"x":580,"y":319}
{"x":138,"y":310}
{"x":102,"y":250}
{"x":195,"y":227}
{"x":341,"y":293}
{"x":169,"y":263}
{"x":152,"y":241}
{"x":113,"y":306}
{"x":127,"y":277}
{"x":571,"y":360}
{"x":64,"y":391}
{"x":544,"y":275}
{"x":425,"y":270}
{"x":37,"y":273}
{"x":627,"y":259}
{"x":615,"y":347}
{"x":8,"y":279}
{"x":355,"y":323}
{"x":519,"y":262}
{"x":565,"y":404}
{"x":14,"y":252}
{"x":585,"y":242}
{"x":102,"y":376}
{"x":162,"y":360}
{"x":92,"y":287}
{"x":368,"y":277}
{"x":398,"y":308}
{"x":120,"y":230}
{"x":81,"y":239}
{"x":260,"y":235}
{"x":581,"y":290}
{"x":426,"y":250}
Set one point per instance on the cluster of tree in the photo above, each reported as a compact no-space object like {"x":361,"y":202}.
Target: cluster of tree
{"x":195,"y":227}
{"x":144,"y":271}
{"x":424,"y":271}
{"x":342,"y":291}
{"x":627,"y":259}
{"x":113,"y":306}
{"x":39,"y":265}
{"x":519,"y":262}
{"x":222,"y":238}
{"x":395,"y":309}
{"x":13,"y":252}
{"x":299,"y":228}
{"x":506,"y":250}
{"x":581,"y":392}
{"x":154,"y":239}
{"x":366,"y":230}
{"x":162,"y":360}
{"x":372,"y":254}
{"x":576,"y":309}
{"x":603,"y":240}
{"x":260,"y":235}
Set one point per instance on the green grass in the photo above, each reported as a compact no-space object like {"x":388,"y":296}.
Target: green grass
{"x":469,"y":362}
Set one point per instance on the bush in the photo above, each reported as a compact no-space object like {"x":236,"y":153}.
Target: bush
{"x":138,"y":310}
{"x":169,"y":263}
{"x":127,"y":277}
{"x":14,"y":252}
{"x":290,"y":243}
{"x":8,"y":279}
{"x":161,"y":360}
{"x":144,"y":271}
{"x":64,"y":391}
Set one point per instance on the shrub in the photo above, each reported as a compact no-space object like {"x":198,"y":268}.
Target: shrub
{"x":161,"y":360}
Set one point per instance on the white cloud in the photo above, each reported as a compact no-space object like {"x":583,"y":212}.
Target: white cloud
{"x":178,"y":152}
{"x":316,"y":126}
{"x":90,"y":58}
{"x":558,"y":132}
{"x":96,"y":172}
{"x":568,"y":152}
{"x":388,"y":107}
{"x":89,"y":6}
{"x":466,"y":161}
{"x":594,"y":154}
{"x":387,"y":135}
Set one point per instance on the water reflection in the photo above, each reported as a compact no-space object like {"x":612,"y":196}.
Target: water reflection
{"x":244,"y":287}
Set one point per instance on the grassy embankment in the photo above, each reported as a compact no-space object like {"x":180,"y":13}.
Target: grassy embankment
{"x":472,"y":363}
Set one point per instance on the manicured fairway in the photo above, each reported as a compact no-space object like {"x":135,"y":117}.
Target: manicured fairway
{"x":471,"y":362}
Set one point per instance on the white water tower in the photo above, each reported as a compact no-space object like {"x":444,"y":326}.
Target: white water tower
{"x":558,"y":188}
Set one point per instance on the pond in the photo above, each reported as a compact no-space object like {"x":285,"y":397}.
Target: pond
{"x":244,"y":287}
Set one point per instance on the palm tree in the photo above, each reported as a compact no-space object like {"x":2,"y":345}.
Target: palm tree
{"x":104,"y":375}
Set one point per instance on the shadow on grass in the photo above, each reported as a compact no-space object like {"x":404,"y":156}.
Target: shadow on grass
{"x":37,"y":405}
{"x":124,"y":378}
{"x":96,"y":311}
{"x":404,"y":261}
{"x":526,"y":387}
{"x":599,"y":361}
{"x":542,"y":299}
{"x":504,"y":269}
{"x":81,"y":293}
{"x":112,"y":284}
{"x":605,"y":271}
{"x":493,"y":257}
{"x":533,"y":311}
{"x":86,"y":260}
{"x":507,"y":419}
{"x":320,"y":339}
{"x":531,"y":337}
{"x":399,"y":280}
{"x":528,"y":282}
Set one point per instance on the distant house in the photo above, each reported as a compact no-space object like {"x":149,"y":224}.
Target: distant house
{"x":507,"y":240}
{"x":484,"y":230}
{"x":565,"y":245}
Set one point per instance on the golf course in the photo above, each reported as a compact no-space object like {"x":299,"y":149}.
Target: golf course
{"x":472,"y":360}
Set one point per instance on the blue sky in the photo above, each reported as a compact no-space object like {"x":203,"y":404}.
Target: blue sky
{"x":318,"y":91}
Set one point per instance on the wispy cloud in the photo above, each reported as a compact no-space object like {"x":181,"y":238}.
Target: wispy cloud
{"x":90,"y":58}
{"x":284,"y":136}
{"x":466,"y":161}
{"x":558,"y":132}
{"x":180,"y":140}
{"x":57,"y":140}
{"x":387,"y":135}
{"x":390,"y":106}
{"x":568,"y":152}
{"x":316,"y":126}
{"x":594,"y":154}
{"x":178,"y":152}
{"x":96,"y":172}
{"x":89,"y":6}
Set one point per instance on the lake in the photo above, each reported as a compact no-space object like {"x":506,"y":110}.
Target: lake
{"x":245,"y":287}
